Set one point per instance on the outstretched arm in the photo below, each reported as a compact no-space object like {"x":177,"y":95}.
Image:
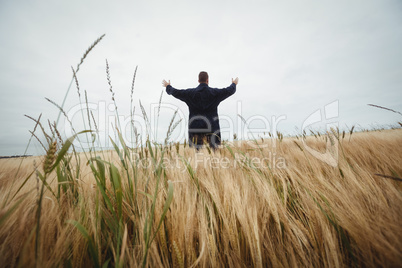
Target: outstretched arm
{"x":228,"y":91}
{"x":177,"y":93}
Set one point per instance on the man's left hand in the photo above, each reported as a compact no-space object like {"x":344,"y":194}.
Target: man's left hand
{"x":235,"y":81}
{"x":165,"y":84}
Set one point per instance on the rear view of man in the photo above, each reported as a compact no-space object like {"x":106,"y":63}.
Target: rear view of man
{"x":202,"y":102}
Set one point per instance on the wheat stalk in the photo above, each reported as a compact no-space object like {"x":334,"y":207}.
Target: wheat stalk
{"x":78,"y":67}
{"x":89,"y":50}
{"x":57,"y":133}
{"x":178,"y":255}
{"x":50,"y":157}
{"x":171,"y":127}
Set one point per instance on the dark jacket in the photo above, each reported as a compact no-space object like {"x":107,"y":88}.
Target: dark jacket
{"x":202,"y":103}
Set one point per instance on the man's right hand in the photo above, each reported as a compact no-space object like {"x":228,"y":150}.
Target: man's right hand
{"x":236,"y":81}
{"x":164,"y":83}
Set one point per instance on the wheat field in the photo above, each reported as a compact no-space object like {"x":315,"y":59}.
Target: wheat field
{"x":271,"y":205}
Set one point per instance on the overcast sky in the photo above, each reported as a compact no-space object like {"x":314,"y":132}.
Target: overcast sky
{"x":292,"y":58}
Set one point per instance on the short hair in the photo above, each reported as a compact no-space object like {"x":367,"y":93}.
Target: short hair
{"x":203,"y":77}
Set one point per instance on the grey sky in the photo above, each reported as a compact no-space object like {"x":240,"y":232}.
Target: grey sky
{"x":291,"y":57}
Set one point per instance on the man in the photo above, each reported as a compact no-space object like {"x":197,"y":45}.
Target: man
{"x":202,"y":102}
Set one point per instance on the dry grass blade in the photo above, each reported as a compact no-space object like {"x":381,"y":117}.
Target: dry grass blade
{"x":62,"y":111}
{"x":59,"y":107}
{"x":389,"y":177}
{"x":86,"y":102}
{"x":40,"y":142}
{"x":37,"y":121}
{"x":385,"y":108}
{"x":133,"y":82}
{"x":160,"y":102}
{"x":48,"y":138}
{"x":298,"y":146}
{"x":93,"y":118}
{"x":76,"y":81}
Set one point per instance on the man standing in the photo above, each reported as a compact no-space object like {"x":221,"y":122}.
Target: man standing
{"x":202,"y":102}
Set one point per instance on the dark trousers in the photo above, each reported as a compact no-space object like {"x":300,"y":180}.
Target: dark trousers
{"x":197,"y":140}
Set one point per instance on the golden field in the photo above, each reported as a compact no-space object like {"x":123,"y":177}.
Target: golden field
{"x":241,"y":206}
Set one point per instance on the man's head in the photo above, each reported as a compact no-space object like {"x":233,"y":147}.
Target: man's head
{"x":203,"y":77}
